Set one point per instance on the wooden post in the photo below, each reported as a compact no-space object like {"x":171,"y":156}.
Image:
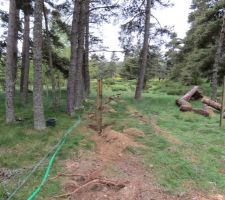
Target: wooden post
{"x":222,"y":104}
{"x":99,"y":106}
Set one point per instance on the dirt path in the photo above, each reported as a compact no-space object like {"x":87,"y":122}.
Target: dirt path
{"x":110,"y":172}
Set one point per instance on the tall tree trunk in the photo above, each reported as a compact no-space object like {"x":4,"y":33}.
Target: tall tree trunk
{"x":217,"y":62}
{"x":50,"y":61}
{"x":73,"y":61}
{"x":144,"y":52}
{"x":11,"y":61}
{"x":25,"y":60}
{"x":79,"y":81}
{"x":39,"y":120}
{"x":15,"y":54}
{"x":86,"y":74}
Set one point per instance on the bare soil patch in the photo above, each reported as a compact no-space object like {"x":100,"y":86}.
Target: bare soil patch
{"x":111,"y":144}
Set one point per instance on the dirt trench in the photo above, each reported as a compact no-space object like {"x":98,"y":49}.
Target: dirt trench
{"x":112,"y":172}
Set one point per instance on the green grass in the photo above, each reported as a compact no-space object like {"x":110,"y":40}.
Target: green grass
{"x":21,"y":147}
{"x":196,"y":163}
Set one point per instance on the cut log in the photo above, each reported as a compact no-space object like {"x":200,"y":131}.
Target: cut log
{"x":186,"y":108}
{"x":184,"y":105}
{"x":205,"y":111}
{"x":201,"y":111}
{"x":191,"y":93}
{"x":181,"y":102}
{"x":211,"y":103}
{"x":209,"y":110}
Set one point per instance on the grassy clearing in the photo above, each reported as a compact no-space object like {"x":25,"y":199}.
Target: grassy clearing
{"x":200,"y":157}
{"x":199,"y":161}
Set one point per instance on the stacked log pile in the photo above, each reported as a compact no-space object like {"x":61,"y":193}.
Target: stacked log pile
{"x":183,"y":101}
{"x":195,"y":94}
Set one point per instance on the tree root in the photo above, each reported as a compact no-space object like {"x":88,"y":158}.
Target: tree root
{"x":96,"y":181}
{"x":66,"y":175}
{"x":86,"y":177}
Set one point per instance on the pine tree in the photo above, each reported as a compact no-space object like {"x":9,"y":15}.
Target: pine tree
{"x":195,"y":59}
{"x":27,"y":10}
{"x":137,"y":14}
{"x":144,"y":52}
{"x":39,"y":120}
{"x":11,"y":61}
{"x":73,"y":60}
{"x":50,"y":57}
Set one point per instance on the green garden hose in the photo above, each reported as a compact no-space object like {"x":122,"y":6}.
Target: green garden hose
{"x":34,"y":193}
{"x":56,"y":150}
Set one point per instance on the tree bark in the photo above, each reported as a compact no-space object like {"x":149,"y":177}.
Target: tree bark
{"x":79,"y":80}
{"x":15,"y":54}
{"x":50,"y":61}
{"x":144,"y":53}
{"x":201,"y":111}
{"x":86,"y":74}
{"x":181,"y":102}
{"x":73,"y":61}
{"x":25,"y":60}
{"x":192,"y":93}
{"x":11,"y":61}
{"x":211,"y":103}
{"x":216,"y":64}
{"x":39,"y":120}
{"x":186,"y":107}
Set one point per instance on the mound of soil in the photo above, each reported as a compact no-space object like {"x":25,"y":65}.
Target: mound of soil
{"x":111,"y":173}
{"x":111,"y":144}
